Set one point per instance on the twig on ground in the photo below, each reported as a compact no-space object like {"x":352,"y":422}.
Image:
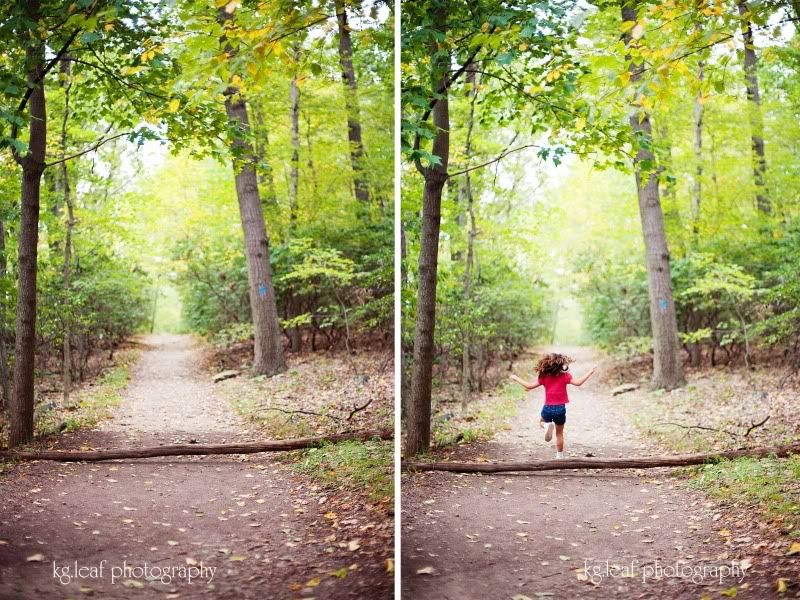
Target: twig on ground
{"x":730,"y":433}
{"x":755,"y":425}
{"x":359,"y":409}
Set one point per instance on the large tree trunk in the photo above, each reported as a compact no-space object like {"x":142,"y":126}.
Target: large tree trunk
{"x":21,"y":414}
{"x":645,"y":462}
{"x":667,"y":369}
{"x":269,"y":358}
{"x":754,"y":110}
{"x":419,"y":408}
{"x":360,"y":180}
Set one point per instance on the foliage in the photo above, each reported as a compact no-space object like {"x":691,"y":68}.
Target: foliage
{"x":359,"y":465}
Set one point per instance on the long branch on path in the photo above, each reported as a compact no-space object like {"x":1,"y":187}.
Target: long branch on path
{"x":680,"y":460}
{"x":195,"y":449}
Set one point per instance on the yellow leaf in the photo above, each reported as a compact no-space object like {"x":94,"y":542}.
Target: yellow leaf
{"x":109,"y":27}
{"x":794,"y":548}
{"x":624,"y":77}
{"x":485,"y":27}
{"x":313,"y":582}
{"x":174,"y":105}
{"x":389,"y":565}
{"x":626,"y":25}
{"x":729,"y":593}
{"x":781,"y":585}
{"x":580,"y":123}
{"x":725,"y":532}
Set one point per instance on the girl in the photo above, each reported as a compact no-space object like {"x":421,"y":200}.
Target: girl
{"x":554,"y":375}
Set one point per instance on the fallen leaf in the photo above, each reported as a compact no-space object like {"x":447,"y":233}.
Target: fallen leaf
{"x":781,"y":585}
{"x":426,"y":571}
{"x":35,"y":558}
{"x":132,"y":583}
{"x":562,"y":557}
{"x":729,"y":593}
{"x":314,"y":582}
{"x":341,"y":573}
{"x":794,"y":548}
{"x":353,"y":545}
{"x":237,"y":557}
{"x":389,"y":562}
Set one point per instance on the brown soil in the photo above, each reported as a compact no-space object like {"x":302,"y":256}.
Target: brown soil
{"x":267,"y":532}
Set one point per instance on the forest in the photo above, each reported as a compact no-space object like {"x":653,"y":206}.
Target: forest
{"x":163,"y":148}
{"x":196,"y":258}
{"x":616,"y":175}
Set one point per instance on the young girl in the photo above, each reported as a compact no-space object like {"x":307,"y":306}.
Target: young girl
{"x":554,"y":375}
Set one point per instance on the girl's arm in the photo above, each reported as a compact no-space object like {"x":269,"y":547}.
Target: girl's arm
{"x":583,"y":379}
{"x":526,"y":384}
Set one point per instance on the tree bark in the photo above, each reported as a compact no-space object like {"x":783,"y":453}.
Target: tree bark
{"x":196,"y":449}
{"x":294,"y":175}
{"x":754,"y":110}
{"x":419,"y":408}
{"x":680,"y":460}
{"x":21,"y":414}
{"x":697,"y":187}
{"x":360,"y":181}
{"x":269,"y":358}
{"x":667,"y":368}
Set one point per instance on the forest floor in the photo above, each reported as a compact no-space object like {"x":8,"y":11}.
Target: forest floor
{"x":238,"y":526}
{"x":579,"y":534}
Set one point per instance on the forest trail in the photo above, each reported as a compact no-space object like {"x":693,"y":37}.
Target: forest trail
{"x":533,"y":535}
{"x":259,"y":527}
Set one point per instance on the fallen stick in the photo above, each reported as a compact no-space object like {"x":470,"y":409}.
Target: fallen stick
{"x":680,"y":460}
{"x":193,"y":449}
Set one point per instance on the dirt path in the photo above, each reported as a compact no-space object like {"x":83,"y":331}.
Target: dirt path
{"x":534,"y":535}
{"x":241,"y":527}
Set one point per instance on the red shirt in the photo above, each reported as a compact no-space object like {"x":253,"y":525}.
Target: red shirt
{"x":555,"y":387}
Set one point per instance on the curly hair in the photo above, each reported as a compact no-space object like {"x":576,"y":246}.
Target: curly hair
{"x":553,"y":364}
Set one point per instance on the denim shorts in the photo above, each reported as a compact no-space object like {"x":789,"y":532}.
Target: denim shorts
{"x":554,"y":413}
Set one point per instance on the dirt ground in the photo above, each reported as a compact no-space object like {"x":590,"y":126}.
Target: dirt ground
{"x":190,"y":527}
{"x":571,"y":534}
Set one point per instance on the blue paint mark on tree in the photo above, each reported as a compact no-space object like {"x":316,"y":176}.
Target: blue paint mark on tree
{"x":262,"y":289}
{"x":662,"y":305}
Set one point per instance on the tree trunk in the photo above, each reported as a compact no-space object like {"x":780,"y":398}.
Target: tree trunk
{"x":266,"y":174}
{"x":5,"y":384}
{"x":67,"y":195}
{"x":418,"y":436}
{"x":667,"y":369}
{"x":754,"y":111}
{"x":697,"y":188}
{"x":294,"y":175}
{"x":360,"y":181}
{"x":21,"y":414}
{"x":681,"y":460}
{"x":466,"y":194}
{"x":269,"y":358}
{"x":197,"y":449}
{"x":310,"y":162}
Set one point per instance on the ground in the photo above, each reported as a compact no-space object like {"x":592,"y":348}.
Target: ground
{"x":552,"y":534}
{"x":264,"y":530}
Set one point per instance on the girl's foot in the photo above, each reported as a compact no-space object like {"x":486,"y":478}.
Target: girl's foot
{"x":548,"y":435}
{"x":541,"y":423}
{"x":559,"y":454}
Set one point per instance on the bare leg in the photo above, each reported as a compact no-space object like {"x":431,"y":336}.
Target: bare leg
{"x":560,"y":438}
{"x":541,"y":422}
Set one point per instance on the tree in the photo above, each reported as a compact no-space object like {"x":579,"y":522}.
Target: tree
{"x":360,"y":179}
{"x":667,"y":369}
{"x":269,"y":358}
{"x":754,"y":109}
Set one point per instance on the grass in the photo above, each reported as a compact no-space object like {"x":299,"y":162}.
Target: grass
{"x":770,"y":483}
{"x":94,"y":402}
{"x":482,"y":421}
{"x":355,"y":465}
